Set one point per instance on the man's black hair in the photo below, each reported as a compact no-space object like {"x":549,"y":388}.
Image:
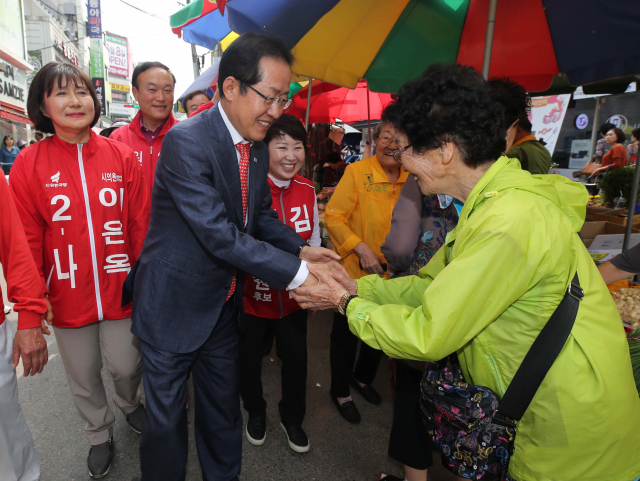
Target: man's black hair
{"x":525,"y":124}
{"x":636,"y":133}
{"x":242,"y":58}
{"x":144,"y":66}
{"x":192,"y":94}
{"x":513,"y":97}
{"x":606,"y":127}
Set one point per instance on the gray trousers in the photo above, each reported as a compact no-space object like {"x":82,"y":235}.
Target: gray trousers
{"x":18,"y":457}
{"x":80,"y":351}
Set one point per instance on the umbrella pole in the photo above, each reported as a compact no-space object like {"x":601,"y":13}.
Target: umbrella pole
{"x":488,"y":41}
{"x":632,"y":207}
{"x":369,"y":120}
{"x":306,"y":117}
{"x":194,"y":58}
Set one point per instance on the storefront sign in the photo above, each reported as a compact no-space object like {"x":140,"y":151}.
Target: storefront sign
{"x":579,"y":153}
{"x":98,"y":85}
{"x":120,"y":87}
{"x":118,"y":55}
{"x":547,"y":114}
{"x":582,"y":121}
{"x":120,"y":109}
{"x":97,"y":60}
{"x":13,"y":87}
{"x":119,"y":97}
{"x":620,"y":121}
{"x":94,"y":19}
{"x":66,"y":50}
{"x":11,"y":33}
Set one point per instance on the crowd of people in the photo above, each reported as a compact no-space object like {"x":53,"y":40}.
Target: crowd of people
{"x":176,"y":259}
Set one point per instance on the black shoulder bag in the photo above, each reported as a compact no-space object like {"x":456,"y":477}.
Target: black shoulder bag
{"x":475,"y":429}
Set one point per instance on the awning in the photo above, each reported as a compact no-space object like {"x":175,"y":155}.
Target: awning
{"x":15,"y":116}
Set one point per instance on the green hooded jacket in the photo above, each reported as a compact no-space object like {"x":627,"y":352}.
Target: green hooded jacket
{"x":486,"y":295}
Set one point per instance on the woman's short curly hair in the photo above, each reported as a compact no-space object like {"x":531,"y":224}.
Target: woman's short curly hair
{"x":450,"y":103}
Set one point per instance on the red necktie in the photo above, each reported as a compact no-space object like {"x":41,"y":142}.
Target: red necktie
{"x":244,"y":150}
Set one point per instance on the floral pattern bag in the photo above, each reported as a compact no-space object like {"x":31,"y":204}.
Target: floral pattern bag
{"x":474,"y":429}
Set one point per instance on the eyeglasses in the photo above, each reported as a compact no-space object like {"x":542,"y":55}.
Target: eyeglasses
{"x":386,"y":141}
{"x":397,"y":153}
{"x":270,"y":99}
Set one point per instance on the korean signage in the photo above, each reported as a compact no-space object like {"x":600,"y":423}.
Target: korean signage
{"x":11,"y":33}
{"x":119,"y":97}
{"x":94,"y":19}
{"x":118,"y":55}
{"x":98,"y":85}
{"x":120,"y":109}
{"x":547,"y":114}
{"x":97,"y":60}
{"x":66,"y":50}
{"x":13,"y":87}
{"x":120,"y":87}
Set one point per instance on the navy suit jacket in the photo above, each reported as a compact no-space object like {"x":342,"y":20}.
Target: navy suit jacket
{"x":197,"y":238}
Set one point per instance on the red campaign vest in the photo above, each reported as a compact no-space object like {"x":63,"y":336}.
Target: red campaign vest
{"x":146,"y":153}
{"x":84,"y":212}
{"x":298,"y":202}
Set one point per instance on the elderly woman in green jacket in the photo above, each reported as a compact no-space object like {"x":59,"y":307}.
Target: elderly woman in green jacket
{"x":488,"y":292}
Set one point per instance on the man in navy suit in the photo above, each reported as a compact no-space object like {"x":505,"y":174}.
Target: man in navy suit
{"x":211,"y":222}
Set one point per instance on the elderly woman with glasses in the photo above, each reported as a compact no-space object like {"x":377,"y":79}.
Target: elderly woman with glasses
{"x":358,"y":218}
{"x":494,"y":284}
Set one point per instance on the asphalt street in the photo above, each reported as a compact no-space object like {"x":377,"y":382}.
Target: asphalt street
{"x":339,"y":451}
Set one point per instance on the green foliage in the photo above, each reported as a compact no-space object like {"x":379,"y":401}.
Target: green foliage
{"x":615,"y":181}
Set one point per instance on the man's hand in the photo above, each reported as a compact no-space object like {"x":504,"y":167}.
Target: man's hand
{"x":30,"y":344}
{"x":318,"y":254}
{"x":339,"y":273}
{"x":326,"y":294}
{"x":369,"y":260}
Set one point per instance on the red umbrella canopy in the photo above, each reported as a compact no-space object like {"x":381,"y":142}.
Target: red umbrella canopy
{"x":349,"y":105}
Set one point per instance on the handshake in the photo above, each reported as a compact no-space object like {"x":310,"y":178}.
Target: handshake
{"x":327,"y":282}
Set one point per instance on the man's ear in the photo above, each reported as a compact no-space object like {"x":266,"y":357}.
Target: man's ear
{"x":447,"y":151}
{"x":135,"y":93}
{"x":230,"y":89}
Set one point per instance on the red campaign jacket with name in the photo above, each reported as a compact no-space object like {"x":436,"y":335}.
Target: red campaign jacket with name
{"x":147,"y":153}
{"x":298,"y":202}
{"x":84,"y":210}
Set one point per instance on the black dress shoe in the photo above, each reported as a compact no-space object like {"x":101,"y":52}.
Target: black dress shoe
{"x":138,"y":417}
{"x":367,"y":392}
{"x":348,"y":410}
{"x":99,"y":459}
{"x":256,"y":429}
{"x":298,"y":440}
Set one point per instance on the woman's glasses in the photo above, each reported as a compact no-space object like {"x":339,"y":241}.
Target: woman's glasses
{"x":396,"y":154}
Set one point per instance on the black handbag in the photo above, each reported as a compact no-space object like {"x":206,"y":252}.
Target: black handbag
{"x":475,"y":429}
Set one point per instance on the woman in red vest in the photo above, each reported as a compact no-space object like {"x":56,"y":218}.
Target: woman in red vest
{"x":294,"y":200}
{"x":83,"y":203}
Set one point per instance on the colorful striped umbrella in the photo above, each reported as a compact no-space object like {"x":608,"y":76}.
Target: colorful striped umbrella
{"x":388,"y":42}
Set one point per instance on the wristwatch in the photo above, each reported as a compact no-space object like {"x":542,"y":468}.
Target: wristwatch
{"x":299,"y":251}
{"x":344,"y":303}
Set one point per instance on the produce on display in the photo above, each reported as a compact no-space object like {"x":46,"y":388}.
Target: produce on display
{"x":628,"y":303}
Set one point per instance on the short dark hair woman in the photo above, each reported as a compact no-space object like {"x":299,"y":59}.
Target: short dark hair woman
{"x":491,"y":288}
{"x":8,"y":151}
{"x":617,"y":155}
{"x":82,"y":201}
{"x":267,"y":309}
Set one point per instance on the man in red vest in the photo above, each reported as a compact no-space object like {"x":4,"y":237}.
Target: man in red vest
{"x":153,"y":88}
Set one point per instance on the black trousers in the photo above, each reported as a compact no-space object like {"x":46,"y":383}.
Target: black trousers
{"x":290,"y":333}
{"x":218,"y":423}
{"x":409,"y":442}
{"x":343,"y":354}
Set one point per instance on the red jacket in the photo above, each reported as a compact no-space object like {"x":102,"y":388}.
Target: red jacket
{"x":298,"y":202}
{"x":84,"y":210}
{"x":147,"y":153}
{"x":23,"y":284}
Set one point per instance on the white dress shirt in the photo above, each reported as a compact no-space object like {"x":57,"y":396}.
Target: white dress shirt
{"x":303,"y":271}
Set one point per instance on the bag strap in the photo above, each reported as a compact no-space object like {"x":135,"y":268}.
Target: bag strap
{"x":542,"y":354}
